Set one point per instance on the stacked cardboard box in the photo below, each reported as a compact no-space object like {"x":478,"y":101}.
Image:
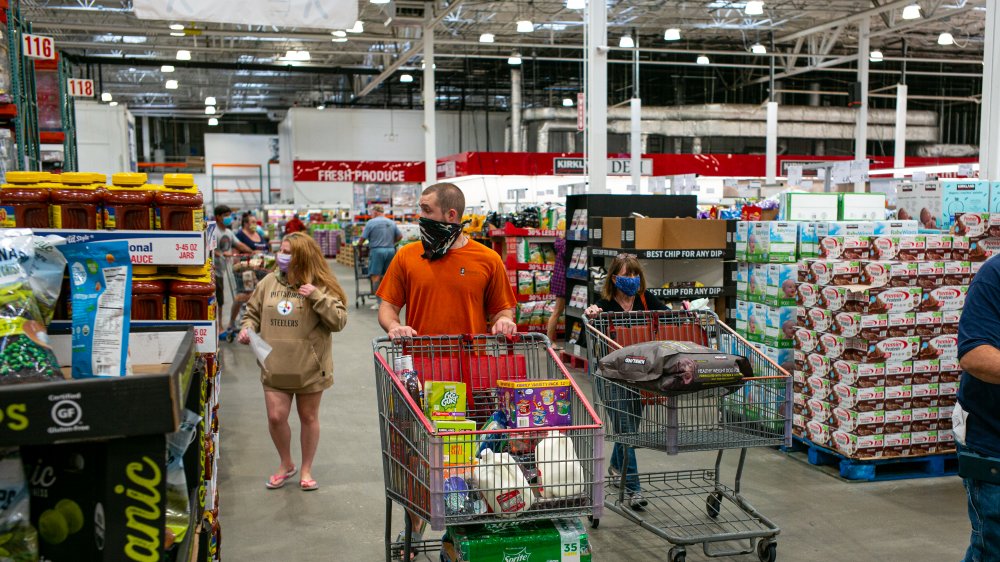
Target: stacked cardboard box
{"x":876,"y":348}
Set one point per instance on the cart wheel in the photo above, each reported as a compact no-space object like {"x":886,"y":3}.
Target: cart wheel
{"x":767,"y":550}
{"x":594,"y":523}
{"x":677,"y":554}
{"x":713,"y":504}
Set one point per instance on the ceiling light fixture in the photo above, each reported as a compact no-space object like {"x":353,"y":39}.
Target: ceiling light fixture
{"x":576,"y":4}
{"x":514,"y":59}
{"x":911,"y":12}
{"x":379,"y":1}
{"x":525,"y":26}
{"x":567,"y":102}
{"x":758,"y":49}
{"x":113,"y":104}
{"x":210,"y":100}
{"x":703,"y":59}
{"x":876,"y":56}
{"x":106,"y":96}
{"x":339,"y":33}
{"x":946,"y":39}
{"x":486,"y":38}
{"x":183,"y":55}
{"x":213,"y":122}
{"x":177,"y":27}
{"x":210,"y":110}
{"x":340,"y":39}
{"x":406,"y":78}
{"x":672,"y":34}
{"x":177,"y":34}
{"x":297,"y":55}
{"x":359,"y":27}
{"x":626,"y":42}
{"x":167,"y":68}
{"x":171,"y":85}
{"x":754,"y":8}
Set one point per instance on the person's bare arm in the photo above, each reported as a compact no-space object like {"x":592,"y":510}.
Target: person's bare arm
{"x":983,"y":362}
{"x":388,"y":318}
{"x":503,"y":322}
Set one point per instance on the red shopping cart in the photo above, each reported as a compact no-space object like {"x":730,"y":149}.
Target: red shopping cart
{"x":414,"y":452}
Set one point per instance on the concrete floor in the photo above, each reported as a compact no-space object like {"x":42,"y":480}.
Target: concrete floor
{"x":821,"y":518}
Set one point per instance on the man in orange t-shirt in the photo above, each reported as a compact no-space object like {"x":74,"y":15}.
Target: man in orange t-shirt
{"x":449,"y":283}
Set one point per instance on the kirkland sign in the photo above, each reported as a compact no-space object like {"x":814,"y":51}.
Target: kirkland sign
{"x":616,"y":166}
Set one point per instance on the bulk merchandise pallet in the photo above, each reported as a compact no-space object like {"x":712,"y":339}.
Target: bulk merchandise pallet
{"x":873,"y":470}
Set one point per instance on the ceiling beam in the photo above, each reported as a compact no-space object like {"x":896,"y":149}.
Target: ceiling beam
{"x":144,"y":62}
{"x":923,"y":21}
{"x":405,"y":57}
{"x":843,"y":20}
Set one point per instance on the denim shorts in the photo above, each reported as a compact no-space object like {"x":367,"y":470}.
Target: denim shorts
{"x":379,"y":259}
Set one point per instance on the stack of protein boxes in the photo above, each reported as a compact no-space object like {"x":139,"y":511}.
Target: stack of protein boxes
{"x":873,"y":337}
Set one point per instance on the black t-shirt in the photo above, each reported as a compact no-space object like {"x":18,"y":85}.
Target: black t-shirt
{"x":651,"y":303}
{"x":980,"y":325}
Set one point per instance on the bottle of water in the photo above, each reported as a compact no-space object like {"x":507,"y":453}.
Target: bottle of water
{"x":403,"y":365}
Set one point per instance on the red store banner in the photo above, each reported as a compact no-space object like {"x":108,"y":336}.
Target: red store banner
{"x":360,"y":171}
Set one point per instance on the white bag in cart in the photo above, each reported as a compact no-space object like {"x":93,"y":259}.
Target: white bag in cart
{"x":559,"y":470}
{"x":502,"y":484}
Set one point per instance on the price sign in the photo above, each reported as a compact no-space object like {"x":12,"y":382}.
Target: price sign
{"x":38,"y":47}
{"x":78,"y":88}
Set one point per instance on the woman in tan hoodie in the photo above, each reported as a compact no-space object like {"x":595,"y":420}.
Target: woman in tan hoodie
{"x":295,"y":310}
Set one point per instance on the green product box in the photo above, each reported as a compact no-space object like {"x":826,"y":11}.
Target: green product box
{"x":445,"y":399}
{"x":556,"y":540}
{"x":780,"y":289}
{"x":458,"y":449}
{"x":757,"y":283}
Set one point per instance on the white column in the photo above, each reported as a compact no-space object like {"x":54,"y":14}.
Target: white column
{"x":771,"y":158}
{"x":900,"y":139}
{"x":636,"y":142}
{"x":861,"y":130}
{"x":147,"y":147}
{"x":515,"y":109}
{"x":989,"y":141}
{"x":597,"y":96}
{"x":430,"y":139}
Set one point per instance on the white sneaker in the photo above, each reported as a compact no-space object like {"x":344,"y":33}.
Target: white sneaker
{"x":374,"y":306}
{"x":636,"y":502}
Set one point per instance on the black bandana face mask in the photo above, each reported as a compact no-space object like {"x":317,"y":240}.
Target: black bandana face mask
{"x":437,"y":237}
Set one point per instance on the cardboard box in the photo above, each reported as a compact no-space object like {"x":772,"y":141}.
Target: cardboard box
{"x":832,"y":272}
{"x":691,"y":234}
{"x":903,"y":248}
{"x":757,"y":284}
{"x":846,"y":228}
{"x":859,"y":374}
{"x":819,"y":365}
{"x":458,"y":449}
{"x":780,"y":289}
{"x":845,"y":247}
{"x":780,"y":326}
{"x":784,"y":357}
{"x":944,"y":346}
{"x":902,"y":324}
{"x":773,"y":242}
{"x":820,"y":410}
{"x":859,"y":423}
{"x":929,"y":323}
{"x":963,"y":196}
{"x":975,"y":226}
{"x":893,"y":350}
{"x":938,"y":246}
{"x":861,"y":206}
{"x":858,"y":447}
{"x":930,"y":274}
{"x":820,"y":388}
{"x":945,"y":298}
{"x":819,"y":433}
{"x":995,"y":197}
{"x":809,"y":206}
{"x":898,"y":397}
{"x":859,"y":399}
{"x":877,"y":301}
{"x":741,"y":317}
{"x":541,"y":403}
{"x":808,"y":240}
{"x":741,"y":238}
{"x":522,"y":542}
{"x":896,"y":443}
{"x":898,"y":421}
{"x":895,"y":228}
{"x":806,"y":341}
{"x":807,"y":295}
{"x":878,"y":274}
{"x":818,"y":319}
{"x":957,"y":272}
{"x":858,"y":325}
{"x":899,"y":374}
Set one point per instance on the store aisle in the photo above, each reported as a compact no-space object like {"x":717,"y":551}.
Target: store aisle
{"x":821,"y":518}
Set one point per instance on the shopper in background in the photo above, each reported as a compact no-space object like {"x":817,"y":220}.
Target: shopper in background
{"x":294,"y":224}
{"x":249,"y":234}
{"x":448,"y":284}
{"x":625,"y":291}
{"x":295,"y":310}
{"x":558,"y":289}
{"x":381,"y":234}
{"x":226,"y":245}
{"x":976,"y":419}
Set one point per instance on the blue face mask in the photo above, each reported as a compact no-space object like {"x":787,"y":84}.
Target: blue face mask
{"x":227,"y":221}
{"x":627,"y":285}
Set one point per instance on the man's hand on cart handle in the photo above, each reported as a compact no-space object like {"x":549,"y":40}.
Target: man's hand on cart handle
{"x":244,"y":336}
{"x":505,"y":326}
{"x":593,"y":310}
{"x":306,"y":290}
{"x":400,"y":331}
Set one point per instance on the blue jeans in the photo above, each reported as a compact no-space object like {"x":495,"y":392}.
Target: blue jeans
{"x":984,"y":514}
{"x":624,"y":408}
{"x":617,"y":459}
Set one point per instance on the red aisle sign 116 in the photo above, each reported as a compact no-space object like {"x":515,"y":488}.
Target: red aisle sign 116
{"x":38,"y":47}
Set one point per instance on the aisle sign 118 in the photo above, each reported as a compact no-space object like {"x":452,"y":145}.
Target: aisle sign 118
{"x":39,"y":47}
{"x":80,"y":88}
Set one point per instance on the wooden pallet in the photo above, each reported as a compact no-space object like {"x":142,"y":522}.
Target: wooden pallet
{"x":875,"y":470}
{"x":573,"y":361}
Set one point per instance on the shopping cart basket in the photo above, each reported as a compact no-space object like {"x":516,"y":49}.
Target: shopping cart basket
{"x":417,"y":475}
{"x":362,"y":280}
{"x":689,"y":507}
{"x":243,"y":272}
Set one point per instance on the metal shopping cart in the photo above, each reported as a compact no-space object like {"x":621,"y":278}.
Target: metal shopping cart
{"x":243,"y":272}
{"x":689,"y":507}
{"x":362,"y":281}
{"x":414,"y":452}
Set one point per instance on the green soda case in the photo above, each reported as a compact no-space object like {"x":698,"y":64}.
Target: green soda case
{"x":556,"y":540}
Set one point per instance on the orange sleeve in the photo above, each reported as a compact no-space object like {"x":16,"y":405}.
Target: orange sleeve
{"x":392,"y":288}
{"x":499,"y":294}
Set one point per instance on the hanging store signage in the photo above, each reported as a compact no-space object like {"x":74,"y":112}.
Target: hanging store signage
{"x":581,"y":111}
{"x":616,"y":166}
{"x":361,"y":171}
{"x":78,"y":88}
{"x":38,"y":47}
{"x":321,"y":14}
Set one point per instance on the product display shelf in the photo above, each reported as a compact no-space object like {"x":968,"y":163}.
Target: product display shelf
{"x":576,"y":235}
{"x":511,"y":243}
{"x":149,"y":247}
{"x":511,"y":230}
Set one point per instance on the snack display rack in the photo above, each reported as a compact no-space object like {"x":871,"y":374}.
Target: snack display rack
{"x":120,"y":424}
{"x":526,"y":269}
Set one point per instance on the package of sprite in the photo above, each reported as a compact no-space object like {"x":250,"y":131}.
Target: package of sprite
{"x":557,"y":540}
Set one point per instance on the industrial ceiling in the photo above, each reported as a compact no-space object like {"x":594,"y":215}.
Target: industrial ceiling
{"x":246,"y":69}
